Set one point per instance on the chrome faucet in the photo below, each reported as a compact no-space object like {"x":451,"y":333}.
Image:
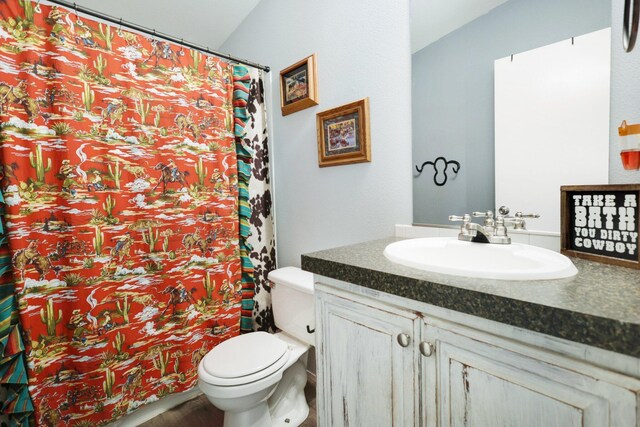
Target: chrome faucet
{"x":494,"y":229}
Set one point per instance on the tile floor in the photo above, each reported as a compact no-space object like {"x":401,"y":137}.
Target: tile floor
{"x":199,"y":412}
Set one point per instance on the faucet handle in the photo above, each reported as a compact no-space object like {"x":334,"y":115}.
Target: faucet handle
{"x":530,"y":215}
{"x":487,"y":214}
{"x":463,"y":218}
{"x":517,"y":223}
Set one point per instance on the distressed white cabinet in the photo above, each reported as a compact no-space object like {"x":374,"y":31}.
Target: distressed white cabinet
{"x":382,"y":362}
{"x":477,"y":380}
{"x":367,"y":366}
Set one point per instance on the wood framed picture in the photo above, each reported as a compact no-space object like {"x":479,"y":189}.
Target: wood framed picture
{"x":299,"y":86}
{"x":600,"y":223}
{"x":343,"y":134}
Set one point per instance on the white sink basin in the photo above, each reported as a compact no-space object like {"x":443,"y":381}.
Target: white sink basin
{"x":448,"y":255}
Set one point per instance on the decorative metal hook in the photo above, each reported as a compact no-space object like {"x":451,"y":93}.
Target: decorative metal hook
{"x":455,"y":167}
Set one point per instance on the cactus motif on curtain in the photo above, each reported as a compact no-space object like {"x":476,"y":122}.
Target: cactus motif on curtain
{"x":123,"y":196}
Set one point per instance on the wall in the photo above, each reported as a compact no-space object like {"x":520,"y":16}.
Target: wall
{"x":625,"y":94}
{"x":363,"y":50}
{"x":453,"y":95}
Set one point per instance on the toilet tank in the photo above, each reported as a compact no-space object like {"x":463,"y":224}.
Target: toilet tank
{"x":292,"y":302}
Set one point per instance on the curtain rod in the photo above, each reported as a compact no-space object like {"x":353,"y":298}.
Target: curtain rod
{"x":152,"y":32}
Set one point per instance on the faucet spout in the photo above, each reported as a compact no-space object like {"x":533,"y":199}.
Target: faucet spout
{"x":477,"y":233}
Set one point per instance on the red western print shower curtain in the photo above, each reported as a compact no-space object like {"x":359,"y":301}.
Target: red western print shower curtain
{"x":121,"y":188}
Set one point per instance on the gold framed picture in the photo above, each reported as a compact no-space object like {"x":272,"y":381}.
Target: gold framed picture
{"x":343,"y":134}
{"x":299,"y":86}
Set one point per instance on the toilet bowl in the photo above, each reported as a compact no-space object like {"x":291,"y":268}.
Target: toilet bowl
{"x":258,"y":379}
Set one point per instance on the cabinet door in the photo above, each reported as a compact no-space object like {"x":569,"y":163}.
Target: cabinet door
{"x":365,"y":376}
{"x":474,"y":383}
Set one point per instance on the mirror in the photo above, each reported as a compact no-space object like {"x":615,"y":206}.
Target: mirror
{"x":453,"y":97}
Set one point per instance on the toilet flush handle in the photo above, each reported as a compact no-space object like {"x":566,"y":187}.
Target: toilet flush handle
{"x":309,"y":330}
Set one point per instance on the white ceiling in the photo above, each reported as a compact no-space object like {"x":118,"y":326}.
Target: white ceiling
{"x":207,"y":23}
{"x":433,"y":19}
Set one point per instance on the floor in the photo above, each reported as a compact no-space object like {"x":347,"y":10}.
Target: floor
{"x":199,"y":412}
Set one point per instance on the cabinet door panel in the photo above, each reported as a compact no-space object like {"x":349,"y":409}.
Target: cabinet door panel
{"x":480,"y":384}
{"x":480,"y":398}
{"x":367,"y":377}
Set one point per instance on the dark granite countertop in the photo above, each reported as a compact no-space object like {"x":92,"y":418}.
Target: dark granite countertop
{"x":599,"y":307}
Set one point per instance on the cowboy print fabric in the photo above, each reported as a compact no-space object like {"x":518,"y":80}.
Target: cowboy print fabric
{"x":121,"y":187}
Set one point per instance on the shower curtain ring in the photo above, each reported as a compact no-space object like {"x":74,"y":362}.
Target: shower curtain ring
{"x":37,"y":8}
{"x":120,"y":25}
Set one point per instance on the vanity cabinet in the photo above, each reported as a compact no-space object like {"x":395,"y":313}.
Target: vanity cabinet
{"x":369,"y":373}
{"x":380,"y":364}
{"x":474,"y":379}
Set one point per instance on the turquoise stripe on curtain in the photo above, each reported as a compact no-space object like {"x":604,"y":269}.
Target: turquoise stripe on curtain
{"x":241,"y":82}
{"x":13,"y":374}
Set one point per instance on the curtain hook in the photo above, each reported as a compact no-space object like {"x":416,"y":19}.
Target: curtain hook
{"x":120,"y":25}
{"x":181,"y":45}
{"x":37,"y":8}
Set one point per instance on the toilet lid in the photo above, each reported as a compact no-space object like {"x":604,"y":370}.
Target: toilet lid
{"x":244,"y":355}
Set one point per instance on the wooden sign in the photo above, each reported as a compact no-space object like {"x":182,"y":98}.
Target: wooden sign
{"x":600,"y":223}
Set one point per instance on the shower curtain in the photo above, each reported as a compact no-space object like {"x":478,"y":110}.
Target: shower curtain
{"x":251,"y":133}
{"x":262,"y":222}
{"x":126,"y":181}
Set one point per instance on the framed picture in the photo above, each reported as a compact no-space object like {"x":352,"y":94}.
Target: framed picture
{"x":600,"y":223}
{"x":299,"y":86}
{"x":343,"y":134}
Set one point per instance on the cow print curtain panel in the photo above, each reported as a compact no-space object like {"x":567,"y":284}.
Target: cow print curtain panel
{"x":262,"y":238}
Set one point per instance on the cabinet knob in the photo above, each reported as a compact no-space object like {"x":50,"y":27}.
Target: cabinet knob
{"x":426,"y":348}
{"x":404,"y":340}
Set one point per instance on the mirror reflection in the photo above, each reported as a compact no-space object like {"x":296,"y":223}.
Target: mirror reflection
{"x":454,"y":95}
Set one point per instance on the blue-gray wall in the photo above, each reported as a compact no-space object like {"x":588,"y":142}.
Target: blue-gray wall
{"x":363,"y":49}
{"x":625,"y":95}
{"x":452,"y":95}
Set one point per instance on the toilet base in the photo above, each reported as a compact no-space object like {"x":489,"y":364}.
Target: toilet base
{"x":257,"y":416}
{"x":288,"y":404}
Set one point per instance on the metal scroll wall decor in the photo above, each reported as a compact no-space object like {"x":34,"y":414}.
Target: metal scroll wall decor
{"x":440,"y":167}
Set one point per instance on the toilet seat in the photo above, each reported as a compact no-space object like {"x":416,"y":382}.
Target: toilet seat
{"x":245,"y":359}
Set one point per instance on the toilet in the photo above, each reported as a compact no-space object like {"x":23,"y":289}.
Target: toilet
{"x":258,"y":379}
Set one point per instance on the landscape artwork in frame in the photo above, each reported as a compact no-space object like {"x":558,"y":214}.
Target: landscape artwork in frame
{"x":343,"y":134}
{"x":299,"y":86}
